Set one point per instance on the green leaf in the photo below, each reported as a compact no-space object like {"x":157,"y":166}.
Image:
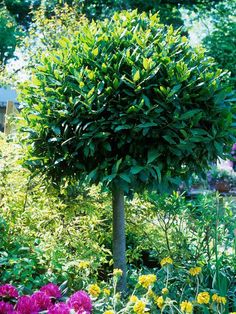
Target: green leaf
{"x":107,"y":146}
{"x":95,"y":52}
{"x":136,"y":169}
{"x":169,"y":139}
{"x":93,"y":174}
{"x":174,"y":90}
{"x":158,"y":171}
{"x":146,"y":63}
{"x":122,"y":127}
{"x":136,"y":76}
{"x":117,"y":165}
{"x":147,"y":125}
{"x":90,"y":93}
{"x":189,"y":114}
{"x":125,"y":177}
{"x":152,"y":155}
{"x":146,"y":100}
{"x":56,"y":130}
{"x":116,"y":83}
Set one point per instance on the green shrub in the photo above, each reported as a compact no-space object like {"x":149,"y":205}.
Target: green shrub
{"x":220,"y":43}
{"x":42,"y":222}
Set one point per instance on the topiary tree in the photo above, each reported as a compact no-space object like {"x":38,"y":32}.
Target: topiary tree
{"x":127,"y":103}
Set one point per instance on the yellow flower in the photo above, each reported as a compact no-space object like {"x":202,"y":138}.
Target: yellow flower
{"x":195,"y":271}
{"x":203,"y":298}
{"x":160,"y":302}
{"x":109,"y":312}
{"x":133,"y":298}
{"x":232,"y":313}
{"x":107,"y":291}
{"x":164,"y":291}
{"x":139,"y":307}
{"x":117,"y":272}
{"x":147,"y":280}
{"x":151,"y":294}
{"x":186,"y":307}
{"x":223,"y":300}
{"x":83,"y":265}
{"x":94,"y":290}
{"x":218,"y":299}
{"x":166,"y":261}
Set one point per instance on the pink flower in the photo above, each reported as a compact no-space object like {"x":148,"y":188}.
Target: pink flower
{"x":8,"y":291}
{"x":6,"y":308}
{"x":59,"y":308}
{"x":42,"y":300}
{"x":51,"y":290}
{"x":26,"y":305}
{"x":80,"y":302}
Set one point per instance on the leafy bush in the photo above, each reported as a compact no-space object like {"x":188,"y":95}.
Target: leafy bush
{"x":41,"y":226}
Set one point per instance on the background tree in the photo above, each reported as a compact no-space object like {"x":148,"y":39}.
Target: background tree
{"x":8,"y":35}
{"x":221,"y":41}
{"x":127,"y":103}
{"x":21,"y":10}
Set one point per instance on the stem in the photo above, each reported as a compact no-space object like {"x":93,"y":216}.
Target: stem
{"x":119,"y":235}
{"x":177,"y":309}
{"x":167,"y":276}
{"x":197,"y":286}
{"x":182,"y":293}
{"x":167,"y":240}
{"x":216,"y":241}
{"x":114,"y":294}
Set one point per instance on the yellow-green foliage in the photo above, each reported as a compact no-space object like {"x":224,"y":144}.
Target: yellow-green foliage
{"x":65,"y":227}
{"x":66,"y":231}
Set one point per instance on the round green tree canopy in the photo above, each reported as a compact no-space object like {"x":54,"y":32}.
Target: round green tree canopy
{"x":128,"y":102}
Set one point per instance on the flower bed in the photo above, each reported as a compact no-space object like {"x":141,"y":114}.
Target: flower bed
{"x":153,"y":293}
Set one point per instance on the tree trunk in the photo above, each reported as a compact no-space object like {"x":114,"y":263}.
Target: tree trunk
{"x":119,"y":245}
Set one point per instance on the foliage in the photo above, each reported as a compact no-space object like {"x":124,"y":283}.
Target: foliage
{"x":141,"y":109}
{"x":41,"y":221}
{"x":21,"y":9}
{"x":221,"y":43}
{"x":8,"y":35}
{"x":19,"y":262}
{"x":100,"y":9}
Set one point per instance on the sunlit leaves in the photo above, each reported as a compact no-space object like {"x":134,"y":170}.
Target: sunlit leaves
{"x":135,"y":105}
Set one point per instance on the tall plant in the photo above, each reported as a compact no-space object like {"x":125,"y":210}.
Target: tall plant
{"x":125,"y":102}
